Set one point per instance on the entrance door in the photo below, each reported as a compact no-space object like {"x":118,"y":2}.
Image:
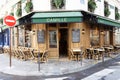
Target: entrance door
{"x":53,"y":40}
{"x":57,"y":40}
{"x":63,"y":42}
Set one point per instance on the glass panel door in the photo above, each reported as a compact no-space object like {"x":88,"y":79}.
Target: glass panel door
{"x":53,"y":40}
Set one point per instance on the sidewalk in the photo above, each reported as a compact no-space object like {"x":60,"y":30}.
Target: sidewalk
{"x":52,"y":67}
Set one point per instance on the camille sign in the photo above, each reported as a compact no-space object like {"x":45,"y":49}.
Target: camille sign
{"x":56,"y":20}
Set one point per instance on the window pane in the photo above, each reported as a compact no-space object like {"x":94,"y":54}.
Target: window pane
{"x":21,"y":37}
{"x":75,"y":35}
{"x":52,"y":39}
{"x":94,"y":36}
{"x":82,"y":1}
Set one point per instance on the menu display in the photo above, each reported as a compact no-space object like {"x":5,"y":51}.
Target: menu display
{"x":75,"y":35}
{"x":40,"y":36}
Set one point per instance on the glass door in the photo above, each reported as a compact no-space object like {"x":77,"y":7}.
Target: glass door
{"x":53,"y":40}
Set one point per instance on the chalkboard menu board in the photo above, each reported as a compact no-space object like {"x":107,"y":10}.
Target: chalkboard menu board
{"x":40,"y":36}
{"x":75,"y":35}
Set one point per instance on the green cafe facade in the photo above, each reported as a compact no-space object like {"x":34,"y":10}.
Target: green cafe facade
{"x":58,"y":31}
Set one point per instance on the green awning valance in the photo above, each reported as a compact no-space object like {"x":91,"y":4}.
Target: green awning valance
{"x":106,"y":21}
{"x":4,"y":27}
{"x":56,"y":17}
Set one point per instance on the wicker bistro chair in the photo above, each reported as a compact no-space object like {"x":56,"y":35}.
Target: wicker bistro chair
{"x":31,"y":56}
{"x":6,"y":49}
{"x":20,"y":53}
{"x":82,"y":53}
{"x":96,"y":54}
{"x":16,"y":52}
{"x":71,"y":55}
{"x":44,"y":57}
{"x":107,"y":51}
{"x":88,"y":53}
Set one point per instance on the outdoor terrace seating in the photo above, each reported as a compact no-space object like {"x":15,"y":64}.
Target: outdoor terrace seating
{"x":71,"y":55}
{"x":26,"y":53}
{"x":44,"y":57}
{"x":109,"y":49}
{"x":116,"y":48}
{"x":89,"y":53}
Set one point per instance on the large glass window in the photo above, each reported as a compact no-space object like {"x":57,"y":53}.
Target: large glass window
{"x":21,"y":37}
{"x":82,"y":1}
{"x":107,"y":42}
{"x":94,"y":36}
{"x":53,"y":39}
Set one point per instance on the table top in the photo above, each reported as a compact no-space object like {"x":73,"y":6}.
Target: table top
{"x":99,"y":49}
{"x":109,"y":47}
{"x":76,"y":50}
{"x":117,"y":46}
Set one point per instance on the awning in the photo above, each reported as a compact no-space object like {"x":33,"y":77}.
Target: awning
{"x":4,"y":27}
{"x":106,"y":21}
{"x":56,"y":17}
{"x":93,"y":18}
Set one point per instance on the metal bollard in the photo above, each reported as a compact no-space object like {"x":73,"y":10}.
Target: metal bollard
{"x":39,"y":61}
{"x":103,"y":58}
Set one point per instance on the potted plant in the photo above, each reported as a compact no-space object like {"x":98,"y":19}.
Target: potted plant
{"x":117,"y":15}
{"x":106,"y":12}
{"x":12,"y":13}
{"x":19,"y":12}
{"x":1,"y":21}
{"x":106,"y":9}
{"x":58,"y":3}
{"x":28,"y":7}
{"x":91,"y":5}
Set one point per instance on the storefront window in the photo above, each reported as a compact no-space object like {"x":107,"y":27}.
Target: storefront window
{"x":52,"y":39}
{"x":82,"y":1}
{"x":94,"y":36}
{"x":27,"y":38}
{"x":107,"y":42}
{"x":21,"y":37}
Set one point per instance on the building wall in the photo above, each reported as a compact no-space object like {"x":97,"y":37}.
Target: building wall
{"x":84,"y":37}
{"x":45,"y":5}
{"x":41,"y":5}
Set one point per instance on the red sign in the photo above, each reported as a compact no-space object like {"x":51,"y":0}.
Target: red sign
{"x":10,"y":21}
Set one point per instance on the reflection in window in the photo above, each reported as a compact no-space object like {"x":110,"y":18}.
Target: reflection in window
{"x":21,"y":37}
{"x":75,"y":35}
{"x":107,"y":38}
{"x":99,"y":0}
{"x":82,"y":1}
{"x":94,"y":36}
{"x":52,"y":39}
